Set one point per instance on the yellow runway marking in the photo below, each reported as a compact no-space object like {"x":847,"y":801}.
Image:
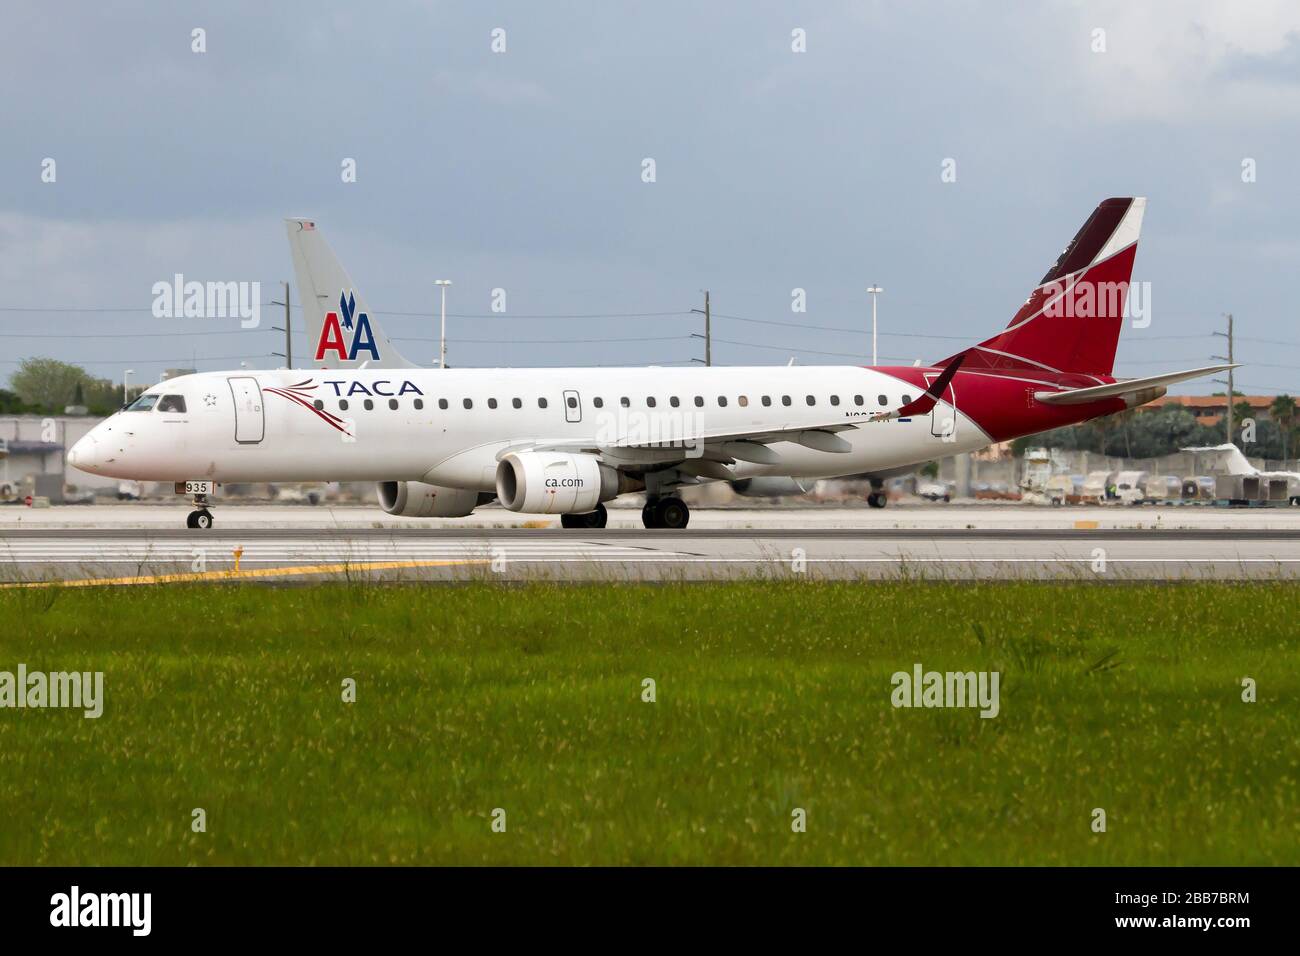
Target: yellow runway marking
{"x":302,"y":569}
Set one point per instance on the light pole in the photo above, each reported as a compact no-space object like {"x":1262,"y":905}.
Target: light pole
{"x":875,"y":290}
{"x":442,"y":348}
{"x":126,"y":389}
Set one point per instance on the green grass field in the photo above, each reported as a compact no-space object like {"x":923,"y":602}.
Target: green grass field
{"x":770,"y":696}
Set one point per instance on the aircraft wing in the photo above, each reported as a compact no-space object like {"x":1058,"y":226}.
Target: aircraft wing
{"x":720,"y":445}
{"x":1081,"y":396}
{"x":723,"y":447}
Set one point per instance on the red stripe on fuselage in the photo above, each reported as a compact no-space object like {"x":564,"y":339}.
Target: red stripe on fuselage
{"x":322,"y":415}
{"x":1003,"y":405}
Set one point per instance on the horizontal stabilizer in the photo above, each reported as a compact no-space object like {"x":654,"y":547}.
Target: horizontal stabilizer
{"x":1081,"y":396}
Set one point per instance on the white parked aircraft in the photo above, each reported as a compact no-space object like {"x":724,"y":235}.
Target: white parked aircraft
{"x":440,"y":442}
{"x":1228,"y":459}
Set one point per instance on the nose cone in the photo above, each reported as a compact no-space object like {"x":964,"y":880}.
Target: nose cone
{"x":84,"y":455}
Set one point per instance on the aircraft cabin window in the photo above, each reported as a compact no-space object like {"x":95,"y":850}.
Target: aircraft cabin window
{"x":468,"y":402}
{"x":172,"y":403}
{"x":743,"y":401}
{"x":541,"y":403}
{"x":492,"y":403}
{"x":882,"y":400}
{"x":625,"y":402}
{"x":857,"y":399}
{"x":598,"y":402}
{"x":650,"y":401}
{"x":442,"y":403}
{"x":516,"y":403}
{"x":571,"y":402}
{"x":343,"y":404}
{"x":675,"y":402}
{"x":907,"y":399}
{"x":318,"y":404}
{"x":699,"y":401}
{"x":835,"y":399}
{"x":722,"y":401}
{"x":812,"y":400}
{"x":369,"y":404}
{"x":767,"y":401}
{"x":419,"y":404}
{"x":785,"y":399}
{"x":392,"y":403}
{"x":143,"y":404}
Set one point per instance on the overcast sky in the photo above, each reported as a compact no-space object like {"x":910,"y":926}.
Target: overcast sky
{"x":522,"y":170}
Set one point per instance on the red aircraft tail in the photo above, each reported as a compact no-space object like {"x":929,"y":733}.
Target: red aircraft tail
{"x":1071,"y":321}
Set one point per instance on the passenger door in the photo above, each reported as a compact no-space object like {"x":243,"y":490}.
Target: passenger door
{"x":943,"y":417}
{"x":250,"y":420}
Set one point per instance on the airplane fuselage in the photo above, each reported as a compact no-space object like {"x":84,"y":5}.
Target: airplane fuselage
{"x":450,"y":427}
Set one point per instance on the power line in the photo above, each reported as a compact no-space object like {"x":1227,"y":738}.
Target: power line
{"x":126,"y":335}
{"x":788,"y":349}
{"x":421,"y":315}
{"x":123,"y":361}
{"x":656,"y":338}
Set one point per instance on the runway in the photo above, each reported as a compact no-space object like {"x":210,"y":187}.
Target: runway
{"x":38,"y":556}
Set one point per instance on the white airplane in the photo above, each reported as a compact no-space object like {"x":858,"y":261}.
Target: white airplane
{"x":1228,"y":459}
{"x":440,"y":442}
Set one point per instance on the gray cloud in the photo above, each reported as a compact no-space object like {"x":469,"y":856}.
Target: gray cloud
{"x":521,"y":170}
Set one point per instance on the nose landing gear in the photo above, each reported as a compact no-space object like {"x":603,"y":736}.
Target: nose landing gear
{"x":202,"y":518}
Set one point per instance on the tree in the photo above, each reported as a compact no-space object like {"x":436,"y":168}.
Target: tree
{"x":1283,"y":411}
{"x":10,"y":403}
{"x":1240,"y":412}
{"x":1148,"y":433}
{"x":47,"y":383}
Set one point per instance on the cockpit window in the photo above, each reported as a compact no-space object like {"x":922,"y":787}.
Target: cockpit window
{"x":144,"y":403}
{"x":172,"y":403}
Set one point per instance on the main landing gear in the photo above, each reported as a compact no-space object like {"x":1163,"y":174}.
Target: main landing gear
{"x":877,"y":499}
{"x":592,"y":519}
{"x":666,"y":513}
{"x":202,"y":518}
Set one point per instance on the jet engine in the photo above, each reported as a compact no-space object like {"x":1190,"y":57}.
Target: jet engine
{"x":542,"y":482}
{"x":415,"y":499}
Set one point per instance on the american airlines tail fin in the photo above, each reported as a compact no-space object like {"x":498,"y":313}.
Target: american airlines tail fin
{"x":1072,"y":319}
{"x":341,"y":330}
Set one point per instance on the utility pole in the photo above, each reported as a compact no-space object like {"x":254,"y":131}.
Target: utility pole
{"x":1228,"y":358}
{"x":442,"y":348}
{"x":287,"y":330}
{"x":708,"y":329}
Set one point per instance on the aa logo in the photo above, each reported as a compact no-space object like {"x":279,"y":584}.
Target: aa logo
{"x":333,"y":337}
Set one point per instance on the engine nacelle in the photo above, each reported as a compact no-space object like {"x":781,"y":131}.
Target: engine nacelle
{"x":415,"y":499}
{"x":544,"y":482}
